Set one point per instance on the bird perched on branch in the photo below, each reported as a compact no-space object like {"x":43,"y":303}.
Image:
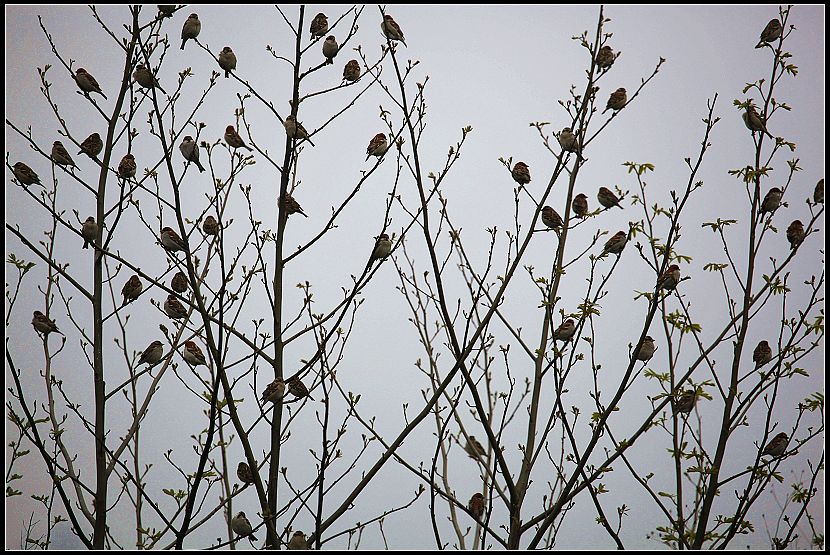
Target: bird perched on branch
{"x":762,"y":354}
{"x":43,"y":324}
{"x":146,"y":79}
{"x":174,"y":309}
{"x":89,"y":231}
{"x":476,"y":505}
{"x":646,"y":350}
{"x":152,"y":354}
{"x":669,"y":279}
{"x":685,"y":403}
{"x":771,"y":32}
{"x":754,"y":121}
{"x":521,"y":173}
{"x":60,"y":156}
{"x":132,"y":289}
{"x":615,"y":244}
{"x":274,"y":391}
{"x":565,"y":331}
{"x":383,"y":246}
{"x":568,"y":140}
{"x":291,"y":206}
{"x":25,"y":175}
{"x":127,"y":167}
{"x":778,"y":446}
{"x":608,"y":199}
{"x":242,"y":526}
{"x":616,"y":101}
{"x":87,"y":83}
{"x":233,"y":139}
{"x":330,"y":48}
{"x":391,"y":29}
{"x":351,"y":72}
{"x":193,"y":355}
{"x":243,"y":472}
{"x":92,"y":145}
{"x":580,"y":205}
{"x":227,"y":60}
{"x":179,"y":283}
{"x":772,"y":200}
{"x":190,"y":151}
{"x":171,"y":241}
{"x":551,"y":218}
{"x":795,"y":234}
{"x":605,"y":57}
{"x":295,"y":130}
{"x":190,"y":30}
{"x":298,"y":541}
{"x":319,"y":25}
{"x":377,"y":146}
{"x":474,"y":448}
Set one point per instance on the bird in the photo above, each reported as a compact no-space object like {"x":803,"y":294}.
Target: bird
{"x":474,"y":448}
{"x":568,"y":140}
{"x":193,"y":355}
{"x":580,"y":205}
{"x":171,"y":241}
{"x":330,"y":49}
{"x":152,"y":354}
{"x":165,"y":10}
{"x":43,"y":324}
{"x":351,"y":72}
{"x":319,"y":25}
{"x":565,"y":331}
{"x":274,"y":391}
{"x":646,"y":350}
{"x":210,"y":226}
{"x":551,"y":218}
{"x":227,"y":60}
{"x":294,"y":129}
{"x":233,"y":139}
{"x":605,"y":57}
{"x":383,"y":246}
{"x":615,"y":244}
{"x":191,"y":28}
{"x":377,"y":146}
{"x":391,"y":29}
{"x":173,"y":308}
{"x":145,"y":78}
{"x":476,"y":505}
{"x":520,"y":173}
{"x":89,"y":231}
{"x":243,"y":472}
{"x":25,"y":175}
{"x":685,"y":403}
{"x":818,"y":193}
{"x":132,"y":289}
{"x":297,"y":388}
{"x":242,"y":526}
{"x":179,"y":283}
{"x":190,"y":151}
{"x":795,"y":234}
{"x":60,"y":156}
{"x":608,"y":199}
{"x":772,"y":200}
{"x":771,"y":32}
{"x":92,"y":145}
{"x":669,"y":279}
{"x":754,"y":121}
{"x":87,"y":83}
{"x":616,"y":101}
{"x":291,"y":206}
{"x":762,"y":354}
{"x":298,"y":541}
{"x":127,"y":167}
{"x":777,"y":447}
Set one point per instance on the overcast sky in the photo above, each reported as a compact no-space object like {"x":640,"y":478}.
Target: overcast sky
{"x":497,"y":69}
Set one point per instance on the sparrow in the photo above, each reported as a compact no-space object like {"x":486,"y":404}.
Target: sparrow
{"x":291,"y":206}
{"x":25,"y":175}
{"x":60,"y":156}
{"x":171,"y":241}
{"x":87,"y":83}
{"x":179,"y":283}
{"x":210,"y":226}
{"x":771,"y":32}
{"x":377,"y":146}
{"x":131,"y":290}
{"x":274,"y":391}
{"x":330,"y":48}
{"x":319,"y":25}
{"x":778,"y":446}
{"x":165,"y":10}
{"x":762,"y":354}
{"x":795,"y":234}
{"x":391,"y":29}
{"x":669,"y":279}
{"x":580,"y":205}
{"x":145,"y":78}
{"x":174,"y":308}
{"x":193,"y":355}
{"x":551,"y":218}
{"x":92,"y":145}
{"x":605,"y":57}
{"x":298,"y":541}
{"x":383,"y":246}
{"x":152,"y":354}
{"x":646,"y":350}
{"x":476,"y":505}
{"x":190,"y":151}
{"x":754,"y":121}
{"x":568,"y":140}
{"x":351,"y":72}
{"x":565,"y":331}
{"x":616,"y":101}
{"x":772,"y":200}
{"x":520,"y":173}
{"x":615,"y":244}
{"x":294,"y":129}
{"x":89,"y":231}
{"x":608,"y":199}
{"x":297,"y":388}
{"x":127,"y":167}
{"x":685,"y":403}
{"x":242,"y":526}
{"x":43,"y":324}
{"x":474,"y":448}
{"x":243,"y":472}
{"x":227,"y":61}
{"x":191,"y":28}
{"x":818,"y":194}
{"x":233,"y":139}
